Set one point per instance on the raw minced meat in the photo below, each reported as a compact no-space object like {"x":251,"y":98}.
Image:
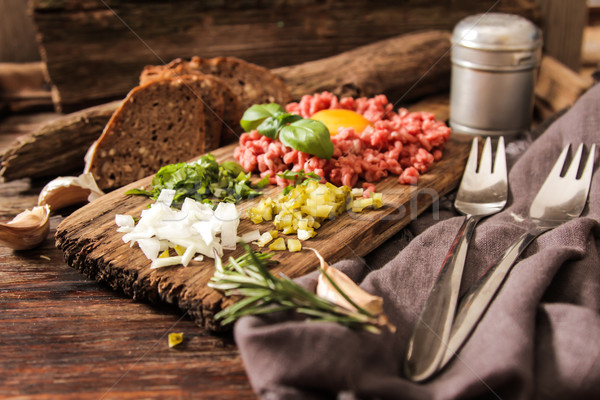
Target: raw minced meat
{"x":401,"y":143}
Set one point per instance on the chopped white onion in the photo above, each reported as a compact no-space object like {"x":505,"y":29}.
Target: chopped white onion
{"x":230,"y":218}
{"x":250,"y":236}
{"x":165,"y":262}
{"x":124,"y":221}
{"x":150,"y":247}
{"x":166,"y":196}
{"x":195,"y":227}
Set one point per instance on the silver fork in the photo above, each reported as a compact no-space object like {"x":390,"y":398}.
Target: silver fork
{"x":481,"y":193}
{"x":559,"y":200}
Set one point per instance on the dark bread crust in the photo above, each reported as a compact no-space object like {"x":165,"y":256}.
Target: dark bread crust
{"x":159,"y":123}
{"x":208,"y":89}
{"x":251,"y":83}
{"x":232,"y":112}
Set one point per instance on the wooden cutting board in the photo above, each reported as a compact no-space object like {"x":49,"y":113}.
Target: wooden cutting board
{"x":91,"y":244}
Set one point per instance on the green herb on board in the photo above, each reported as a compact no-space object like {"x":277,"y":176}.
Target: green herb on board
{"x":262,"y":293}
{"x":203,"y":180}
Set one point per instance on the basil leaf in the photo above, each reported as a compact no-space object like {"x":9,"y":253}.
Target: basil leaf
{"x":309,"y":136}
{"x":270,"y":127}
{"x":256,"y":114}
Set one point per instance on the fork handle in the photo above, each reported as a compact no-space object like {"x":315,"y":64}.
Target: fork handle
{"x":430,"y":335}
{"x":476,"y":301}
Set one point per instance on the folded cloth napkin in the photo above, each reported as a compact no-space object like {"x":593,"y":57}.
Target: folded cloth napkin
{"x":539,"y":339}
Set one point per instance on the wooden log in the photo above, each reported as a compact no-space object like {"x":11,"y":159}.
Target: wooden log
{"x":57,"y":147}
{"x":404,"y":68}
{"x":103,"y":47}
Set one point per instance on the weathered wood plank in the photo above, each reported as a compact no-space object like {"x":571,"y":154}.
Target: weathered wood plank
{"x":90,"y":243}
{"x":563,"y":22}
{"x":17,"y":34}
{"x":59,"y":329}
{"x":102,"y":46}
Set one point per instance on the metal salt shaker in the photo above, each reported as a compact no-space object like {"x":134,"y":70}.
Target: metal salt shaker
{"x":495,"y":58}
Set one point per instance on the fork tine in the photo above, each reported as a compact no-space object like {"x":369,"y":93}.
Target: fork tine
{"x":558,"y":165}
{"x":500,"y":162}
{"x":571,"y":173}
{"x":471,"y":166}
{"x":586,"y":176}
{"x":485,"y":165}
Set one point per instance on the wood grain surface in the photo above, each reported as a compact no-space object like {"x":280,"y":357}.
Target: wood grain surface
{"x":91,"y":244}
{"x":63,"y":336}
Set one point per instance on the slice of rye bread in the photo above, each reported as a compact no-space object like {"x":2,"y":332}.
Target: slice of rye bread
{"x":209,"y":90}
{"x":252,"y":83}
{"x":159,"y":123}
{"x":230,"y":121}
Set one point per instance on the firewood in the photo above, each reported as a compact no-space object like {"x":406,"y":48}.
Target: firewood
{"x":58,"y":147}
{"x":404,"y":68}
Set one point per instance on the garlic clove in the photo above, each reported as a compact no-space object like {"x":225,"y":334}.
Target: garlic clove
{"x":67,"y":191}
{"x":27,"y":230}
{"x":325,"y":289}
{"x":365,"y":300}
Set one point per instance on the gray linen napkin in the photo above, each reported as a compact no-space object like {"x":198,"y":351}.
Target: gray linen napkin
{"x":540,"y":338}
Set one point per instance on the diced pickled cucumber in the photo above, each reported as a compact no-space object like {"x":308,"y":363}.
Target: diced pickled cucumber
{"x":264,"y":239}
{"x":304,"y":208}
{"x":294,"y":245}
{"x":305,"y":234}
{"x":278,"y":244}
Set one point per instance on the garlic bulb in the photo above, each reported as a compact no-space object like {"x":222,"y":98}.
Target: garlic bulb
{"x":27,"y":230}
{"x":67,"y":191}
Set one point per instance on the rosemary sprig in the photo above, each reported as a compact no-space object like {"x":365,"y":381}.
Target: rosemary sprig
{"x":262,"y":292}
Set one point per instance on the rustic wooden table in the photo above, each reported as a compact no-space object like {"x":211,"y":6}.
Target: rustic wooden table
{"x":64,"y":336}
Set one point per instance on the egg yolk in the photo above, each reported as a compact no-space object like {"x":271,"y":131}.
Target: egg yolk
{"x":335,"y":119}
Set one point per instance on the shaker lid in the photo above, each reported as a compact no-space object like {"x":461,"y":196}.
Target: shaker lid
{"x":497,"y":31}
